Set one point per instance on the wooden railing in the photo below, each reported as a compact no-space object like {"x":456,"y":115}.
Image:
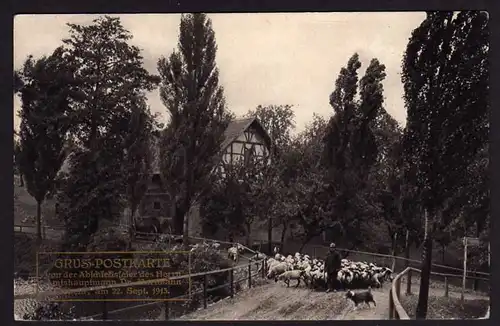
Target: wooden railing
{"x":396,"y":310}
{"x":261,"y":264}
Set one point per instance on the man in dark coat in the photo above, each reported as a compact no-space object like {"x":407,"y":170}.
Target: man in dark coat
{"x":332,"y":267}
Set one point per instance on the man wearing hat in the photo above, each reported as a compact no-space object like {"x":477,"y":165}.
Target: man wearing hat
{"x":332,"y":267}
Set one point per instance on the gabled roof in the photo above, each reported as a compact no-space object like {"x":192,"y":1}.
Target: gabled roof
{"x":235,"y":128}
{"x":238,"y":127}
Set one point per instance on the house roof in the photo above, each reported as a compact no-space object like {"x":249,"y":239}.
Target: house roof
{"x":238,"y":126}
{"x":233,"y":131}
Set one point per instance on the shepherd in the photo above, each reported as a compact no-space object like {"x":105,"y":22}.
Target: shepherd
{"x":332,"y":267}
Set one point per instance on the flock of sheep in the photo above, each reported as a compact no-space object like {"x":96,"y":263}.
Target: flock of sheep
{"x":311,"y":271}
{"x":352,"y":275}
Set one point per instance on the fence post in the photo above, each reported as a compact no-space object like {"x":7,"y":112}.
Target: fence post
{"x":391,"y":305}
{"x":263,"y":268}
{"x":231,"y":278}
{"x":249,"y":276}
{"x":167,"y":309}
{"x":446,"y":286}
{"x":205,"y":291}
{"x":408,"y":283}
{"x":104,"y":308}
{"x":398,"y":289}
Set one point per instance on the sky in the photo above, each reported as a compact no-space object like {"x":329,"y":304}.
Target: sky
{"x":264,"y":59}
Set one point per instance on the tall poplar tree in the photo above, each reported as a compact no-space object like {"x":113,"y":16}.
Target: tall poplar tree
{"x":195,"y":102}
{"x":44,"y":90}
{"x":445,"y":77}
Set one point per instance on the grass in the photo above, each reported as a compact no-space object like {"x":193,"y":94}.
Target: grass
{"x":447,"y":308}
{"x":25,"y":209}
{"x":25,"y":249}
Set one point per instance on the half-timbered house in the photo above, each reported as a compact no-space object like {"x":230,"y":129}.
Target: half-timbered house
{"x":242,"y":138}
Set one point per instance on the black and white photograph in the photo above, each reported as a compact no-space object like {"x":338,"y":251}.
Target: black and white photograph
{"x":251,"y":166}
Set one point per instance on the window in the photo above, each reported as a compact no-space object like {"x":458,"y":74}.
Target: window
{"x":157,"y":205}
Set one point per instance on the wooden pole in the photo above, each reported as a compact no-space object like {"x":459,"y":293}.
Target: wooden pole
{"x":167,"y":309}
{"x":489,"y":255}
{"x":205,"y":291}
{"x":231,"y":276}
{"x":104,"y":307}
{"x":462,"y":296}
{"x":391,"y":305}
{"x":249,"y":276}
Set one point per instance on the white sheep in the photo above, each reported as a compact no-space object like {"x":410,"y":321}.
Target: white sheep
{"x":290,"y":275}
{"x":233,"y":254}
{"x":277,"y":270}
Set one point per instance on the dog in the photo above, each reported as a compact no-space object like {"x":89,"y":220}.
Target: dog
{"x":361,"y":297}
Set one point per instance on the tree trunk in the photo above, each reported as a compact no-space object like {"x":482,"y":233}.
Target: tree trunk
{"x":21,"y":180}
{"x":185,"y":229}
{"x":270,"y":235}
{"x":407,"y":249}
{"x":393,"y":250}
{"x":306,"y":241}
{"x":283,"y":234}
{"x":131,"y":228}
{"x":423,"y":296}
{"x":249,"y":230}
{"x":39,"y":220}
{"x":407,"y":262}
{"x":178,"y":222}
{"x":475,"y":283}
{"x":443,"y":249}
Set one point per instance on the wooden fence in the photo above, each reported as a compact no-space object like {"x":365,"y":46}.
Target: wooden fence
{"x":204,"y":292}
{"x":396,"y":310}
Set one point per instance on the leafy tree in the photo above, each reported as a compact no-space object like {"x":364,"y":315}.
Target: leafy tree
{"x":222,"y":208}
{"x":350,"y":148}
{"x":278,"y":121}
{"x":44,"y":117}
{"x":111,"y":78}
{"x":18,"y":82}
{"x":386,"y":177}
{"x":445,"y":77}
{"x":111,"y":75}
{"x":138,"y":155}
{"x":17,"y":161}
{"x":302,"y":194}
{"x":195,"y":102}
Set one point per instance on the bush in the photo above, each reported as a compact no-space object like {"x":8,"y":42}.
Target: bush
{"x":202,"y":259}
{"x":50,"y":311}
{"x":447,"y":308}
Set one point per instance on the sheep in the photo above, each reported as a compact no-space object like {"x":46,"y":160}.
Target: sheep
{"x":318,"y":279}
{"x":277,"y":270}
{"x":233,"y":254}
{"x":290,"y":275}
{"x":353,"y":274}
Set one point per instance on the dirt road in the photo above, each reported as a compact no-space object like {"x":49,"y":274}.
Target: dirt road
{"x":274,"y":301}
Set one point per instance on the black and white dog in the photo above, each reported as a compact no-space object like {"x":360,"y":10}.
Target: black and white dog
{"x":360,"y":297}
